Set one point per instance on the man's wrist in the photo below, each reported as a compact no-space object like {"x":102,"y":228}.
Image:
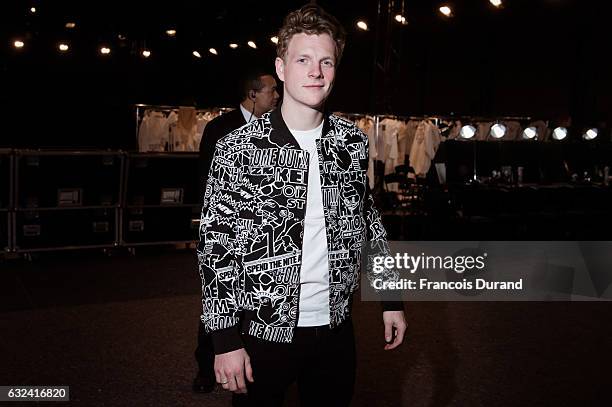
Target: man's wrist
{"x":226,"y":340}
{"x":392,"y":306}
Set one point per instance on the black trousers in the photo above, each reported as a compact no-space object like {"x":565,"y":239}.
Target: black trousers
{"x":205,"y":354}
{"x":321,"y":360}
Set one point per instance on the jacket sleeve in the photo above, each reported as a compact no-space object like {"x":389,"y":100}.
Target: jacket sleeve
{"x":216,"y":254}
{"x":377,"y":245}
{"x":207,"y":151}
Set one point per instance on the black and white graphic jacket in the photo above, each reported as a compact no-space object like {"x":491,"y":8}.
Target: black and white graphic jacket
{"x":252,"y":225}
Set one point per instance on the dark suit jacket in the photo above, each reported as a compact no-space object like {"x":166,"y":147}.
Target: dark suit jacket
{"x":217,"y":128}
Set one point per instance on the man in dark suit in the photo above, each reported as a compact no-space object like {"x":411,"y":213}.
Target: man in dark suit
{"x":259,"y":95}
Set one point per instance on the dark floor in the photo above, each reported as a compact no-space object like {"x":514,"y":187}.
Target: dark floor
{"x":121,"y":330}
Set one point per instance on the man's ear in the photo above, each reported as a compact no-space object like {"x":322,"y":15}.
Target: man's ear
{"x":280,"y":68}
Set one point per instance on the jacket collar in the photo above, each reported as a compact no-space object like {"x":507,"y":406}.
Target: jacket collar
{"x":280,"y":132}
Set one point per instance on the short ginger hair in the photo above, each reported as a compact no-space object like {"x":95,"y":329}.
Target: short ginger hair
{"x":312,"y":20}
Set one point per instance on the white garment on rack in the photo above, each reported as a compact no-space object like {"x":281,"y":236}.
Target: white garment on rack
{"x":426,"y":142}
{"x":183,"y":139}
{"x":513,"y":130}
{"x":153,"y":134}
{"x":183,"y":131}
{"x":405,"y":140}
{"x":483,"y":130}
{"x":388,"y":131}
{"x":455,"y":130}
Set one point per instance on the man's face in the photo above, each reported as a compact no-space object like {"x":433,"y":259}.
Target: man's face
{"x":308,"y":69}
{"x":267,"y":97}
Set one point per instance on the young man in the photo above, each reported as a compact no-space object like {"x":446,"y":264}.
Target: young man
{"x":286,"y":213}
{"x":259,"y":95}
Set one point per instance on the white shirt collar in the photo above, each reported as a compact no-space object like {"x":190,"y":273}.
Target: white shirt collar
{"x":247,"y":115}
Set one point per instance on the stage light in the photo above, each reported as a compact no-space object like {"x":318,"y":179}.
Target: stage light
{"x":362,"y":25}
{"x":591,"y":134}
{"x":196,"y":54}
{"x":559,"y":133}
{"x":401,"y":19}
{"x":496,"y":3}
{"x":171,"y":32}
{"x":498,"y":131}
{"x":63,"y":47}
{"x":18,"y":44}
{"x":33,"y":10}
{"x":121,"y":37}
{"x":105,"y":50}
{"x":233,"y":45}
{"x":530,"y":133}
{"x":252,"y":44}
{"x":146,"y":53}
{"x":467,"y":132}
{"x":70,"y":25}
{"x":274,"y":39}
{"x":446,"y":11}
{"x":213,"y":51}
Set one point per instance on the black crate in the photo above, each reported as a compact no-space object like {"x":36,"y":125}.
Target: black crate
{"x":153,"y":225}
{"x":68,"y":179}
{"x":162,"y":179}
{"x":5,"y":179}
{"x":58,"y":229}
{"x":4,"y":230}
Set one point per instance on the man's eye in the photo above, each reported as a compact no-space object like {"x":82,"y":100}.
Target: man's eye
{"x":328,"y":63}
{"x":302,"y":60}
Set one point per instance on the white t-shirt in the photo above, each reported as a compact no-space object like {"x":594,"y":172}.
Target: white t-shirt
{"x":314,"y":274}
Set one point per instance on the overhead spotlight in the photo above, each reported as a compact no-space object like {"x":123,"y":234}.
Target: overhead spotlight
{"x":18,"y":44}
{"x":591,"y":134}
{"x":498,"y":131}
{"x":446,"y":11}
{"x":105,"y":50}
{"x":146,"y":53}
{"x":496,"y":3}
{"x":196,"y":54}
{"x":467,"y":132}
{"x":274,"y":39}
{"x":70,"y":25}
{"x":530,"y":133}
{"x":213,"y":51}
{"x":63,"y":47}
{"x":401,"y":19}
{"x":171,"y":32}
{"x":559,"y":133}
{"x":252,"y":44}
{"x":33,"y":10}
{"x":362,"y":25}
{"x":233,"y":45}
{"x":121,"y":37}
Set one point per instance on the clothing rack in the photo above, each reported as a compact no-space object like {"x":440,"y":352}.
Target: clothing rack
{"x":140,"y":108}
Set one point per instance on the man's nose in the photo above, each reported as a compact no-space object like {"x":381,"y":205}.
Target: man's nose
{"x":315,"y":71}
